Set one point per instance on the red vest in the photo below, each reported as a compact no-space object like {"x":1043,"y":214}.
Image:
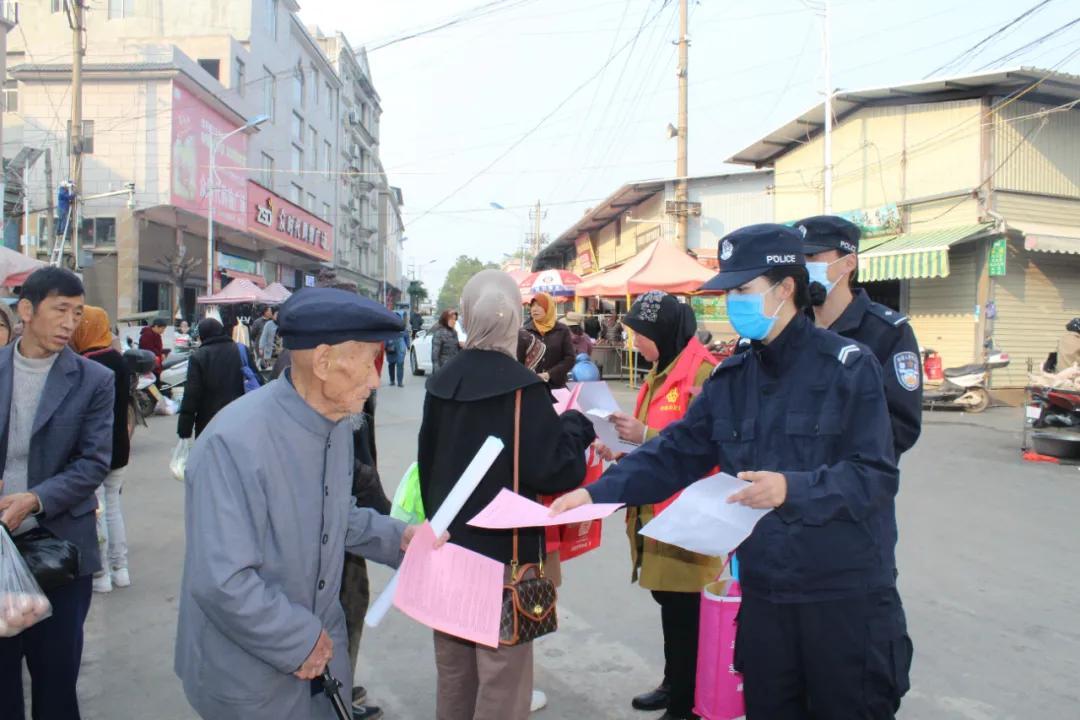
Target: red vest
{"x":671,"y":400}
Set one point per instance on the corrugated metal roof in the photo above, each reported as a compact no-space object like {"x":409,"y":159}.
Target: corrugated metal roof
{"x":618,"y":203}
{"x":916,"y":255}
{"x":1044,"y":84}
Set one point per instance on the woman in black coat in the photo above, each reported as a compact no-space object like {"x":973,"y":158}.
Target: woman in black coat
{"x":472,"y":397}
{"x":214,"y":379}
{"x":554,"y":368}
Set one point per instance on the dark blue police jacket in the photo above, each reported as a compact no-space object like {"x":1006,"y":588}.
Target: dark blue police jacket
{"x":888,"y":334}
{"x":809,"y":405}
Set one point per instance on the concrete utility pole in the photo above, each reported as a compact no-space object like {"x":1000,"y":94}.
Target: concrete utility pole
{"x":828,"y":108}
{"x":536,"y":214}
{"x":50,"y":195}
{"x":681,"y":169}
{"x":78,"y":51}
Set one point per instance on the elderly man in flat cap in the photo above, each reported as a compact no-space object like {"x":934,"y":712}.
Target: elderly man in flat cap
{"x":269,"y":517}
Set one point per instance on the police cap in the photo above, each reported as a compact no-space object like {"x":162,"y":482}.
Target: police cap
{"x":828,"y":232}
{"x":752,"y":251}
{"x":325,"y":316}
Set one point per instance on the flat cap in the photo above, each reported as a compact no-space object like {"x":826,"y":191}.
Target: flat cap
{"x":752,"y":251}
{"x":828,"y":232}
{"x":325,"y":316}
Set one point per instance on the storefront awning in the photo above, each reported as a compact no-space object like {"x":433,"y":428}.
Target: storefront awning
{"x":1052,"y":243}
{"x":916,"y":255}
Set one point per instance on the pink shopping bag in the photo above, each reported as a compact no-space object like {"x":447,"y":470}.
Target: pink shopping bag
{"x":719,"y":694}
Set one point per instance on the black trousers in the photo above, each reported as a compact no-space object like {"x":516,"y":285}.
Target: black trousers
{"x":680,"y":615}
{"x":53,"y":652}
{"x":831,"y":660}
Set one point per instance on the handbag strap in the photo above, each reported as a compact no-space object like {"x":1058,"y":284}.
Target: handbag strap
{"x":517,"y":473}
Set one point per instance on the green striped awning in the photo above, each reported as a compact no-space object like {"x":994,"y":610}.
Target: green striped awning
{"x":916,"y":255}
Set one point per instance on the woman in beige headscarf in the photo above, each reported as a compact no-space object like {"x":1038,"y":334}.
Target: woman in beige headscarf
{"x":472,"y":397}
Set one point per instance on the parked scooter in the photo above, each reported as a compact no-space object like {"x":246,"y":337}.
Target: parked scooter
{"x":174,"y":369}
{"x":965,"y":387}
{"x":140,"y":365}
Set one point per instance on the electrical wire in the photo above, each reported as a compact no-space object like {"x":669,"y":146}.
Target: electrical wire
{"x":611,"y":58}
{"x":488,"y":8}
{"x":1024,"y":48}
{"x":974,"y":49}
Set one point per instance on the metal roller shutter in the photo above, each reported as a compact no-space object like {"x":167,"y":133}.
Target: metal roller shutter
{"x":942,"y":309}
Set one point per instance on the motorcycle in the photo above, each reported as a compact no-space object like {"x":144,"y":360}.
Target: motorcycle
{"x":140,"y":364}
{"x":174,"y":370}
{"x":964,"y":387}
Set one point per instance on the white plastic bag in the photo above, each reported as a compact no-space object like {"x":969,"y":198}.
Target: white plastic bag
{"x":178,"y":464}
{"x":22,"y":603}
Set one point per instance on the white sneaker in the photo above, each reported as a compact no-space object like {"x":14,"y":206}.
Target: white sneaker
{"x":121,"y":578}
{"x":102,"y":583}
{"x":539,"y":701}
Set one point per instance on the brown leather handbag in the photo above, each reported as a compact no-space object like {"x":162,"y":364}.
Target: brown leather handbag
{"x":528,"y":606}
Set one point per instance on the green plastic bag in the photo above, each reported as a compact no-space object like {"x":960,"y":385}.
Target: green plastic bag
{"x":408,"y":506}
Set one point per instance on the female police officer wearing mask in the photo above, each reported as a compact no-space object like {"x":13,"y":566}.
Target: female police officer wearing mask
{"x":802,"y":418}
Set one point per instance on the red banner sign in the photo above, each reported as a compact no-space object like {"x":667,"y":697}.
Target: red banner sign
{"x":195,"y":128}
{"x":275,"y":218}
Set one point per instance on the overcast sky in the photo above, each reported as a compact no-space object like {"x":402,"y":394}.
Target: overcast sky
{"x":455,"y":100}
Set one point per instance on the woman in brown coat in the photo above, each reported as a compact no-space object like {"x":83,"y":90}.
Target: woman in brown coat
{"x":554,"y":368}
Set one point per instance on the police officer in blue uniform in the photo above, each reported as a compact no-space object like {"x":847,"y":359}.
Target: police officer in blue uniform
{"x":831,"y":244}
{"x":802,"y":418}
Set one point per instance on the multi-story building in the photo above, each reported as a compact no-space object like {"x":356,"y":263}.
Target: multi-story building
{"x":392,"y":231}
{"x":968,"y":191}
{"x":163,"y":85}
{"x":360,"y":245}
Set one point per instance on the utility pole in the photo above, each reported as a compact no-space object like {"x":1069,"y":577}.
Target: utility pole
{"x":78,"y":51}
{"x":828,"y":108}
{"x":681,"y":170}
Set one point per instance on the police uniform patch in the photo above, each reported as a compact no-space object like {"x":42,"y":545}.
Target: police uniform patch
{"x":908,"y":373}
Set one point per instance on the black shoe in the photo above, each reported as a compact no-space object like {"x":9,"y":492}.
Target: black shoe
{"x":670,"y":716}
{"x":359,"y":695}
{"x":367,"y":712}
{"x":654,"y":700}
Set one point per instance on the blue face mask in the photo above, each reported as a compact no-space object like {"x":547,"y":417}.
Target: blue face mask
{"x":819,"y":273}
{"x":747,"y":314}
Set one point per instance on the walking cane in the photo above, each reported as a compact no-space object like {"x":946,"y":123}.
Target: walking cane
{"x":331,"y":687}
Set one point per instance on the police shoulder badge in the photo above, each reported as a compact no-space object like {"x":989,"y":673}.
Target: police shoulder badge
{"x":908,"y":373}
{"x":726,"y":250}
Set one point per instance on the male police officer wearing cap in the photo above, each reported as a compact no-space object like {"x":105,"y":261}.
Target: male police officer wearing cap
{"x":802,"y":418}
{"x":269,"y":517}
{"x":830,"y":244}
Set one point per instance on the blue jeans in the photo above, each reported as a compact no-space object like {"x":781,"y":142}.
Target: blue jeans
{"x":396,"y":367}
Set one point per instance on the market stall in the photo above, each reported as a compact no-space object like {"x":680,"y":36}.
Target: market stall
{"x":660,"y":266}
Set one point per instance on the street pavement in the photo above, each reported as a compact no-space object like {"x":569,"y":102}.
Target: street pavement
{"x":987,"y":557}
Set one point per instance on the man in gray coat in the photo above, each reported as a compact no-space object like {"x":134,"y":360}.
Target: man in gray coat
{"x":269,"y":518}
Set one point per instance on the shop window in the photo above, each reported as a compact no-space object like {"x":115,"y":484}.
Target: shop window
{"x":239,"y":76}
{"x":271,"y":17}
{"x":153,"y":296}
{"x":104,"y":231}
{"x":212,"y":66}
{"x":11,"y":96}
{"x":269,"y":92}
{"x":119,"y":9}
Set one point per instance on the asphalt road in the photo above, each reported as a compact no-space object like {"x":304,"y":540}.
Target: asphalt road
{"x":988,"y":552}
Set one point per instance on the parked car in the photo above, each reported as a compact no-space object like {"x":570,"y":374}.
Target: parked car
{"x":420,"y":352}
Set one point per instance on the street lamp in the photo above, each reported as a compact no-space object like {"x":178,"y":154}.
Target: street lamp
{"x":215,"y":145}
{"x":524,"y":235}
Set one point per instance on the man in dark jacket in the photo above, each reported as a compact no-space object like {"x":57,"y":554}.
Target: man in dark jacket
{"x":214,"y":379}
{"x":56,"y":421}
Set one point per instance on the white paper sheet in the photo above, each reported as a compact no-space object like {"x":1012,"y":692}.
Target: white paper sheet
{"x":606,"y":432}
{"x":702,"y":521}
{"x":449,"y":509}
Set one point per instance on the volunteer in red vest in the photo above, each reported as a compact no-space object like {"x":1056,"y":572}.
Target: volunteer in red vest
{"x":665,"y":334}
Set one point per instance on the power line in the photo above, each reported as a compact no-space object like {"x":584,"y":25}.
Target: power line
{"x":974,"y":48}
{"x":1033,"y":44}
{"x":480,"y":11}
{"x":544,"y":119}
